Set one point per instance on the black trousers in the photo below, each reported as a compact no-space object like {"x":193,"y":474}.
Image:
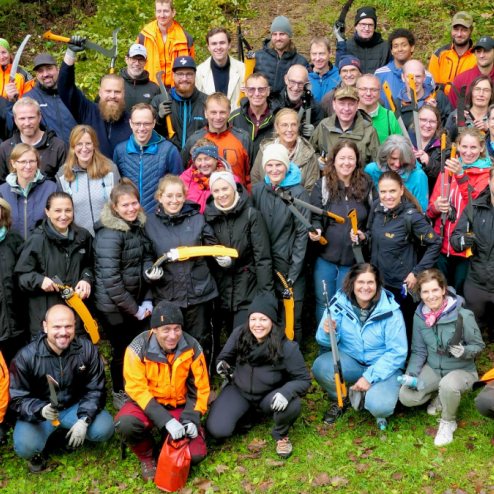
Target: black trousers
{"x":485,"y":401}
{"x":224,"y":318}
{"x":11,"y":346}
{"x":198,"y":323}
{"x":231,"y":406}
{"x":481,"y":303}
{"x":407,"y":306}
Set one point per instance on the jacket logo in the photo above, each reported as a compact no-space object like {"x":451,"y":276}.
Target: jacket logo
{"x":389,"y":235}
{"x":82,"y":367}
{"x":430,"y":235}
{"x":44,"y":104}
{"x":82,"y":251}
{"x":147,"y":95}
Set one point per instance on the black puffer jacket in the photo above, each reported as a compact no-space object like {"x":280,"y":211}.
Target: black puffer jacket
{"x":255,"y":379}
{"x":339,"y":249}
{"x":79,"y":371}
{"x":120,"y":249}
{"x":316,"y":114}
{"x":481,"y":269}
{"x":391,"y":251}
{"x":47,"y":253}
{"x":10,"y":300}
{"x":242,"y":228}
{"x":140,"y":90}
{"x":275,"y":68}
{"x":189,"y":282}
{"x":372,"y":53}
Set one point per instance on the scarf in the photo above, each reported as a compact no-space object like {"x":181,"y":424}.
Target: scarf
{"x":3,"y":233}
{"x":201,"y":180}
{"x":227,"y":210}
{"x":432,"y":317}
{"x":401,"y":171}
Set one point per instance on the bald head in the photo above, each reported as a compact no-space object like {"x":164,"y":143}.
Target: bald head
{"x":59,"y":326}
{"x":417,"y":69}
{"x":295,"y":80}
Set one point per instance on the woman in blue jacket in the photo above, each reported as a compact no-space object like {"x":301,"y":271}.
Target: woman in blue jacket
{"x":371,"y":336}
{"x":396,"y":154}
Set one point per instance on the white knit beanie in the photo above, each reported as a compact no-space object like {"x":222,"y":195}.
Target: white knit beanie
{"x":225,"y":175}
{"x":276,"y":152}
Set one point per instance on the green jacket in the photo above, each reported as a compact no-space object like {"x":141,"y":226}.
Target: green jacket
{"x":363,"y":134}
{"x":385,"y":123}
{"x":425,"y":345}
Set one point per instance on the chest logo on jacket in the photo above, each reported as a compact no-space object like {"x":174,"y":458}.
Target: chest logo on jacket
{"x":389,"y":235}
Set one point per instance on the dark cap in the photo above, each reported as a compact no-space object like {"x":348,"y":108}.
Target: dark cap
{"x":485,"y":42}
{"x":265,"y":304}
{"x":166,"y":313}
{"x":44,"y":59}
{"x":366,"y":13}
{"x":184,"y":63}
{"x":462,"y":19}
{"x":349,"y":60}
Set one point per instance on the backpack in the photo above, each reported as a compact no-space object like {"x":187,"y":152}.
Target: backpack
{"x":419,"y":245}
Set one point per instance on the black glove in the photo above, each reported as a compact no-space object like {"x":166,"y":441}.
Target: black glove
{"x":467,"y":241}
{"x":165,"y":109}
{"x":76,"y":44}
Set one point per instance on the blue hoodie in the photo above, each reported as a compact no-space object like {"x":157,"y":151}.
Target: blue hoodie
{"x":322,"y":84}
{"x":380,"y":344}
{"x":293,"y":177}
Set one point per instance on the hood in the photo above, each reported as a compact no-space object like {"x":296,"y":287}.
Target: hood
{"x":293,"y":177}
{"x":107,"y":220}
{"x":48,"y":136}
{"x":454,"y":304}
{"x":11,"y":179}
{"x":195,"y":94}
{"x":428,"y":89}
{"x":330,"y":73}
{"x":190,"y":208}
{"x":244,"y":202}
{"x":142,"y":79}
{"x":483,"y":200}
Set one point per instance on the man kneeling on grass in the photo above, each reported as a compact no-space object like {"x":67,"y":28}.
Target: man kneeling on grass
{"x":76,"y":366}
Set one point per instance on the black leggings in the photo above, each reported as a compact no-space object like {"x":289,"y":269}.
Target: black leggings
{"x":407,"y":306}
{"x":231,"y":406}
{"x":485,"y":401}
{"x":481,"y":303}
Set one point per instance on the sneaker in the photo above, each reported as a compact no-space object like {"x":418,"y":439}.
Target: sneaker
{"x":148,"y":469}
{"x":335,"y":412}
{"x":445,"y":433}
{"x":37,"y":463}
{"x":119,"y":399}
{"x":434,"y":406}
{"x":284,"y":448}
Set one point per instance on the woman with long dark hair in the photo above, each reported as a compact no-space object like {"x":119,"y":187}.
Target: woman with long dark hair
{"x":265,"y":370}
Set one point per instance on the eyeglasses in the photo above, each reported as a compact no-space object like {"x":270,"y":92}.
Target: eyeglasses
{"x":189,"y":76}
{"x":141,"y":60}
{"x":373,"y":90}
{"x":482,"y":90}
{"x":296,"y":83}
{"x":146,"y":125}
{"x":366,"y":26}
{"x":88,"y":145}
{"x":286,"y":126}
{"x":425,"y":121}
{"x":252,"y":90}
{"x":28,"y":162}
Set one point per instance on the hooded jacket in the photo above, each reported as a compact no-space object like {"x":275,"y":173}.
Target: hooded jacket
{"x":323,"y":83}
{"x":414,"y":179}
{"x":48,"y":253}
{"x":52,"y":152}
{"x":425,"y":345}
{"x":87,"y":112}
{"x":380,"y":344}
{"x":363,"y":133}
{"x":391,"y":251}
{"x":145,"y":165}
{"x":275,"y":68}
{"x":243,"y":228}
{"x":79,"y":371}
{"x":139,"y":90}
{"x":481,"y":269}
{"x":477,"y":175}
{"x":188,"y":282}
{"x":187,"y":116}
{"x":255,"y":378}
{"x":28,"y":206}
{"x":305,"y":158}
{"x":22,"y":80}
{"x":287,"y":235}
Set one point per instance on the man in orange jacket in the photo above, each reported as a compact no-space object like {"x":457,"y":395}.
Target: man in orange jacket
{"x":165,"y":40}
{"x":167,"y":381}
{"x":23,"y":81}
{"x":4,"y":397}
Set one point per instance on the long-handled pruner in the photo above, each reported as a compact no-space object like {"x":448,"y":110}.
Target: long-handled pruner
{"x":395,"y":108}
{"x":357,"y":248}
{"x":184,"y":253}
{"x":17,"y":59}
{"x":443,"y":161}
{"x":289,"y":304}
{"x":415,"y":108}
{"x":53,"y":396}
{"x":166,"y":99}
{"x":469,"y":213}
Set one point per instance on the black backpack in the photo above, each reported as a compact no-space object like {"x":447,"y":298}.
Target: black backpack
{"x":419,"y":245}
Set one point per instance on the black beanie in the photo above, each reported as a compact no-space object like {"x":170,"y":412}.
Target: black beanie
{"x":265,"y":304}
{"x":166,"y":313}
{"x":366,"y":12}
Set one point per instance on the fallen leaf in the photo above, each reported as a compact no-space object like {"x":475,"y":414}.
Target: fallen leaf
{"x":470,"y":446}
{"x":462,"y":424}
{"x":216,"y":488}
{"x":296,"y":460}
{"x":431,"y":430}
{"x":486,"y":15}
{"x":365,"y":455}
{"x":321,"y":480}
{"x":428,"y":490}
{"x":417,"y":445}
{"x":121,"y":486}
{"x":379,"y":460}
{"x":443,"y":450}
{"x":312,"y":418}
{"x":185,"y":491}
{"x":330,"y":443}
{"x":357,"y":440}
{"x":397,"y":476}
{"x":242,"y":470}
{"x":361,"y":467}
{"x":202,"y":484}
{"x":256,"y":445}
{"x":247,"y":486}
{"x":338,"y":481}
{"x":254,"y":456}
{"x":265,"y":485}
{"x":221,"y":468}
{"x":274,"y":463}
{"x":76,"y":479}
{"x":353,"y":458}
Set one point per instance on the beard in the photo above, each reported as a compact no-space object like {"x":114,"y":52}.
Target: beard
{"x":111,"y":113}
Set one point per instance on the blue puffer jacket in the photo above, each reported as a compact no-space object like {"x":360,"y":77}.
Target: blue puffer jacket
{"x":145,"y":166}
{"x":381,"y":344}
{"x":28,"y":206}
{"x":322,"y":84}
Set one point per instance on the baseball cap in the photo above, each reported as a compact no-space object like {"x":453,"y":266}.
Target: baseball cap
{"x":137,"y":49}
{"x":44,"y":59}
{"x":485,"y":42}
{"x":346,"y":92}
{"x":462,"y":19}
{"x":184,"y":63}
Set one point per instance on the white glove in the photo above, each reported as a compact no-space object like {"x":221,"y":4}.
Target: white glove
{"x":191,"y":430}
{"x":77,"y":433}
{"x":176,"y":429}
{"x":322,"y":163}
{"x":307,"y":130}
{"x":224,"y":261}
{"x":457,"y":350}
{"x":141,"y":312}
{"x":148,"y":305}
{"x":49,"y":413}
{"x":279,"y":402}
{"x":154,"y":273}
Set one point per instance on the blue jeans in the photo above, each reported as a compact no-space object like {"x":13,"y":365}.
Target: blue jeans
{"x":333,"y":275}
{"x":380,"y":399}
{"x":30,"y":438}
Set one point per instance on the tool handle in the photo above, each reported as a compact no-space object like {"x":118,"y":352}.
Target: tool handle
{"x":55,"y":37}
{"x":55,"y":423}
{"x":389,"y":96}
{"x":453,"y":152}
{"x":323,"y":241}
{"x":337,"y":218}
{"x":468,"y":252}
{"x":112,"y":70}
{"x":411,"y":79}
{"x":169,"y":127}
{"x":339,"y":393}
{"x":352,"y":214}
{"x":443,"y":141}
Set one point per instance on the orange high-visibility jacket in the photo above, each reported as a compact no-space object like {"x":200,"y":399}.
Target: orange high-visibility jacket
{"x":22,"y":80}
{"x":155,"y":380}
{"x":4,"y":387}
{"x":161,"y":55}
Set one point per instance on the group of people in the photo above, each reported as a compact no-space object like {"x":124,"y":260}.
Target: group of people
{"x":272,"y":164}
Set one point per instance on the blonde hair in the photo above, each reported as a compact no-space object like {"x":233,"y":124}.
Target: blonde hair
{"x":283,"y":112}
{"x":19,"y":150}
{"x":473,"y":132}
{"x":218,"y":98}
{"x":167,"y":180}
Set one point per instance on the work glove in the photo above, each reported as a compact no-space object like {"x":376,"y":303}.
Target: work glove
{"x":148,"y":305}
{"x":339,"y":31}
{"x":76,"y":44}
{"x":77,"y":433}
{"x":191,"y":430}
{"x":307,"y":130}
{"x":322,"y":163}
{"x":224,"y":261}
{"x":49,"y":413}
{"x":154,"y":273}
{"x":165,"y":109}
{"x":223,"y":369}
{"x":457,"y":350}
{"x":279,"y":402}
{"x":467,"y":241}
{"x":141,"y":312}
{"x":176,"y":429}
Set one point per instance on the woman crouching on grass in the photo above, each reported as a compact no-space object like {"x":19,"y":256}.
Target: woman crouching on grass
{"x":266,"y":370}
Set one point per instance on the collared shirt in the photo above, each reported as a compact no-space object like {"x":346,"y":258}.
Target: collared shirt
{"x":257,"y":121}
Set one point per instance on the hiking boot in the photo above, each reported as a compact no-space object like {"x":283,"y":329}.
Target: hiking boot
{"x":434,"y":406}
{"x":445,"y":433}
{"x":148,"y":469}
{"x":284,"y":448}
{"x":119,"y":399}
{"x":37,"y":463}
{"x":335,"y":412}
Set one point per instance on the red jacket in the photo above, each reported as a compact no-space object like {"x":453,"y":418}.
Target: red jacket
{"x":466,"y":78}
